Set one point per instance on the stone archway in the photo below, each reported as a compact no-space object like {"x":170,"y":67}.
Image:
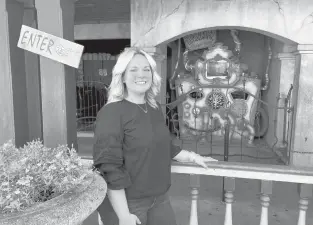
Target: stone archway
{"x":157,"y":23}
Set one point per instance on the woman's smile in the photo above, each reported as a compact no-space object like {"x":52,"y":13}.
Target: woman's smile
{"x":140,"y":82}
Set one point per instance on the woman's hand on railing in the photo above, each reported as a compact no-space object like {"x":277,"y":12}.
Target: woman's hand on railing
{"x":202,"y":160}
{"x":188,"y":156}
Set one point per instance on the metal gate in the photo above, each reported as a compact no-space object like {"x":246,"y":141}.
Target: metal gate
{"x":92,"y":81}
{"x":215,"y":104}
{"x":90,"y":97}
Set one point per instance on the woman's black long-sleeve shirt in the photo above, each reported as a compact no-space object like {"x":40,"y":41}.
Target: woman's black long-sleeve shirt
{"x":133,"y":149}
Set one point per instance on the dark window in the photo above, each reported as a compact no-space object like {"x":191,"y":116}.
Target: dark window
{"x":239,"y":95}
{"x":196,"y":95}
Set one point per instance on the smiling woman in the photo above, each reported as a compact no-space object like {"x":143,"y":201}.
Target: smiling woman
{"x":133,"y":149}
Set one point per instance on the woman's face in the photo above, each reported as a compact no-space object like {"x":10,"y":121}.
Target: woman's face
{"x":138,"y":76}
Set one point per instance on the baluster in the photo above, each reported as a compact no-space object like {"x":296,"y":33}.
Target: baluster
{"x":305,"y":192}
{"x":266,"y":188}
{"x":195,"y":185}
{"x":99,"y":219}
{"x":229,"y":188}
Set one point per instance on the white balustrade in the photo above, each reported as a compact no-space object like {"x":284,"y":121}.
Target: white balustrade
{"x":195,"y":185}
{"x":265,"y":173}
{"x":305,"y":192}
{"x":231,"y":170}
{"x":229,"y":188}
{"x":265,"y":190}
{"x":99,"y":219}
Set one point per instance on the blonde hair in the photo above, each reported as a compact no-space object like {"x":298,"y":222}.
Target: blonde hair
{"x":117,"y":88}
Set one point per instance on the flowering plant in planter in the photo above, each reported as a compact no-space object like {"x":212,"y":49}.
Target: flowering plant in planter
{"x":34,"y":174}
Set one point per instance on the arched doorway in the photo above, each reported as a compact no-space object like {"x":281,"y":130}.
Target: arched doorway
{"x":234,"y":74}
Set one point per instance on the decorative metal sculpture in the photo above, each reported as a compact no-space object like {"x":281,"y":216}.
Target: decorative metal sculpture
{"x":267,"y":80}
{"x":216,"y":96}
{"x":215,"y":90}
{"x":234,"y":34}
{"x":216,"y":66}
{"x":200,"y":40}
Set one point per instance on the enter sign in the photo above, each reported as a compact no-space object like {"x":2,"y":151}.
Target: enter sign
{"x":50,"y":46}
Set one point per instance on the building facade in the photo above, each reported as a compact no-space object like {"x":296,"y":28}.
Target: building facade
{"x":38,"y":95}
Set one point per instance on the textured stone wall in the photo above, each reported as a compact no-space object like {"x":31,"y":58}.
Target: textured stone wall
{"x":155,"y":22}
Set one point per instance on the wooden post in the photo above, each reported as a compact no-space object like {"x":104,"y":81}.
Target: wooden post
{"x":57,"y":80}
{"x":13,"y":97}
{"x":33,"y":79}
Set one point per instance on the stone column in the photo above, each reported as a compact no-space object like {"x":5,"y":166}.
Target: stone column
{"x":287,"y":71}
{"x":57,"y":80}
{"x":160,"y":55}
{"x":302,"y":141}
{"x":13,"y":100}
{"x":33,"y":79}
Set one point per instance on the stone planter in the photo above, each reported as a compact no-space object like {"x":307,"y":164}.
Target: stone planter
{"x":71,"y":208}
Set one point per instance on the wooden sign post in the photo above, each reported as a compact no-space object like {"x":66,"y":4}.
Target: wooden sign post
{"x":50,"y":46}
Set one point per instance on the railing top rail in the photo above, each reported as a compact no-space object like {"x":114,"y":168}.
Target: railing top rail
{"x":281,"y":173}
{"x":291,"y":174}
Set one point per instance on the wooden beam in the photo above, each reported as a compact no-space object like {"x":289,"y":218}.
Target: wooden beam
{"x":27,"y":3}
{"x":102,"y":31}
